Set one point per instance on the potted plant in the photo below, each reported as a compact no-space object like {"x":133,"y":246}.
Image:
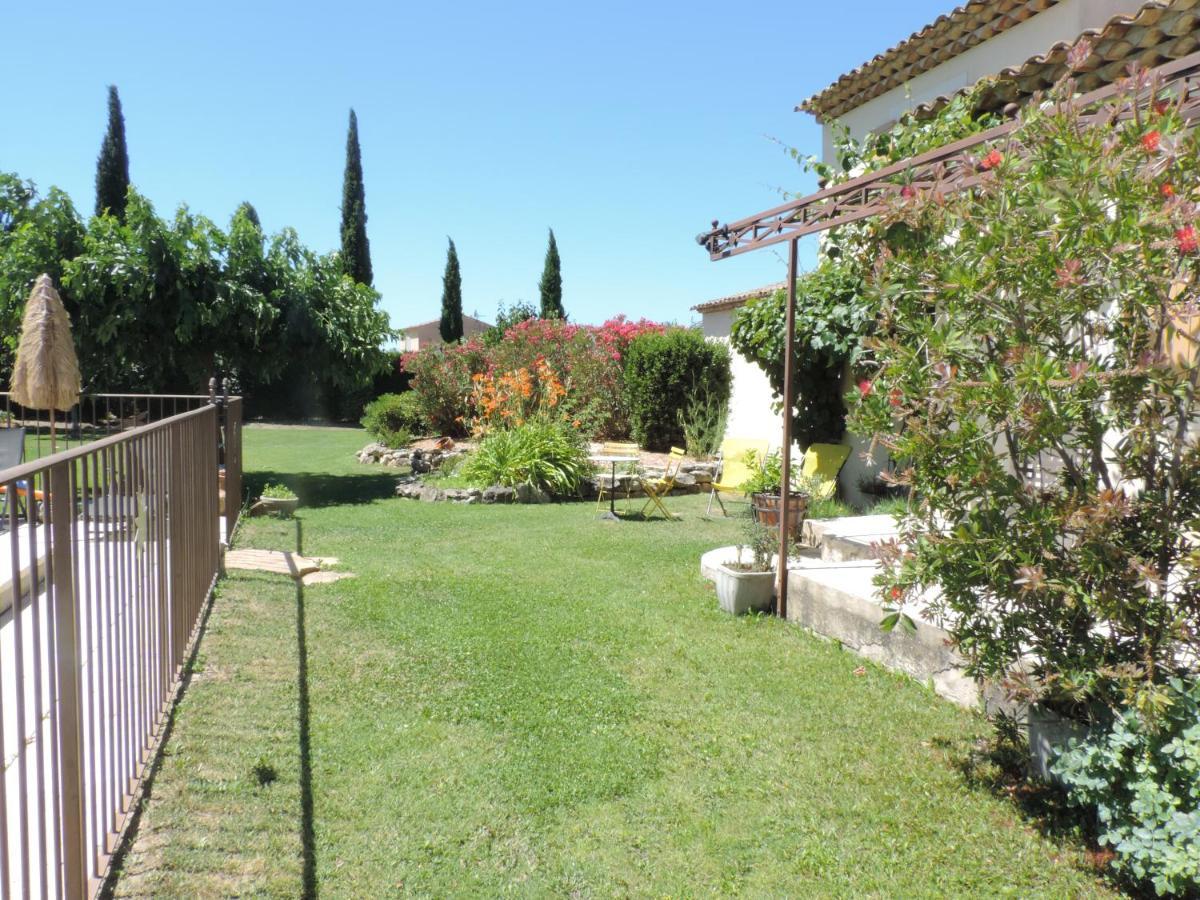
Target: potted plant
{"x":763,"y":489}
{"x":748,"y":582}
{"x":277,"y":498}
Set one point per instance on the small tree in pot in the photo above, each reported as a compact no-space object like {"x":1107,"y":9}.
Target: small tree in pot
{"x":748,"y":582}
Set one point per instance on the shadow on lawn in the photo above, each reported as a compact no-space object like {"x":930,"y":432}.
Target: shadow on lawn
{"x":317,"y":489}
{"x":308,"y":843}
{"x":997,"y":764}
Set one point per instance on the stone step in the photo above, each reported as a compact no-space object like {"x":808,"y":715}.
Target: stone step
{"x":849,"y":538}
{"x":838,"y":600}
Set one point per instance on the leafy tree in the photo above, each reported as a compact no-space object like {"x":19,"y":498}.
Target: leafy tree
{"x":248,"y":210}
{"x":506,"y":318}
{"x":550,"y":286}
{"x":356,"y":250}
{"x":112,"y":165}
{"x":452,"y":316}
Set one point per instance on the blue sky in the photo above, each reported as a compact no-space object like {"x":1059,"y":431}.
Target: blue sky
{"x":627,"y":126}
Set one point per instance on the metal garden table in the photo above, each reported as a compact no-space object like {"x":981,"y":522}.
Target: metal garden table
{"x":611,"y":515}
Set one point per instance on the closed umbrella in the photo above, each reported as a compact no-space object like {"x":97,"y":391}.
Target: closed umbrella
{"x":46,"y":373}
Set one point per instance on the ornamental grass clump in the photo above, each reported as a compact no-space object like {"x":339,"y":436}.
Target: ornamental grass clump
{"x":544,"y":454}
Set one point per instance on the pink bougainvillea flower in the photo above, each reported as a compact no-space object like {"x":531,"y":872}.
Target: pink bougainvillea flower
{"x":1151,"y":141}
{"x":993,"y":159}
{"x":1186,"y":239}
{"x":864,"y":388}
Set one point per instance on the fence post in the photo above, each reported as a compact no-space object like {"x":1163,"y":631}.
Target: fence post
{"x":66,"y":654}
{"x":233,"y":464}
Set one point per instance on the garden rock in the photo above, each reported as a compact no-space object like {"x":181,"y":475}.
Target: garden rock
{"x":529,"y":494}
{"x":430,"y":494}
{"x":378,"y":454}
{"x":498,"y":494}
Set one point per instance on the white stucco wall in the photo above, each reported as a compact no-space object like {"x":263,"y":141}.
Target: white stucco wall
{"x":1062,"y":22}
{"x":750,"y":412}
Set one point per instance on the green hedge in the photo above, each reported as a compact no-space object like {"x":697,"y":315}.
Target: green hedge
{"x":663,"y":372}
{"x":393,"y":419}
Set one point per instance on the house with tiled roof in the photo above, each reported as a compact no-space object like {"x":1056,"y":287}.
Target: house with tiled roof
{"x":1017,"y":48}
{"x":427,"y":334}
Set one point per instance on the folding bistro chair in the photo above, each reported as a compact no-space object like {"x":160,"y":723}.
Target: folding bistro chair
{"x":657,"y":488}
{"x":615,"y":448}
{"x":734,"y":470}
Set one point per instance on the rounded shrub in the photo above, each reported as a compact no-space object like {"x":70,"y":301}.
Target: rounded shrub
{"x":663,"y":373}
{"x":392,"y":419}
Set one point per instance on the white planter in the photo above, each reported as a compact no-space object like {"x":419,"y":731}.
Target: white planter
{"x":741,"y":592}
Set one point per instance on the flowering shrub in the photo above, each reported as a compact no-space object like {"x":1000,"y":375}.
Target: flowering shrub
{"x":442,"y":382}
{"x":510,"y":399}
{"x":588,"y":362}
{"x":1033,"y":375}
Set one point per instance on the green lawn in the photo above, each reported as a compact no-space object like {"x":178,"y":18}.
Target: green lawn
{"x":525,"y":701}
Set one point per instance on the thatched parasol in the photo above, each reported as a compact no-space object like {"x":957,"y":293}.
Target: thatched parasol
{"x":46,"y":373}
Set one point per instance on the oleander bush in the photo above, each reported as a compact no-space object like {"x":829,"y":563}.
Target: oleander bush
{"x":1033,"y":372}
{"x":588,"y":361}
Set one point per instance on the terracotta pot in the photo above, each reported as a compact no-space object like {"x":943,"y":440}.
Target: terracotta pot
{"x":766,"y":510}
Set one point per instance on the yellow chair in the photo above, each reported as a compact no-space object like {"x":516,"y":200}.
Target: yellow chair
{"x":616,"y":448}
{"x":734,"y":471}
{"x":657,"y":488}
{"x":824,"y":461}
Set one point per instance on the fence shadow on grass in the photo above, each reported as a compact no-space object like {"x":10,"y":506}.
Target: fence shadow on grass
{"x":317,"y":489}
{"x":308,"y":843}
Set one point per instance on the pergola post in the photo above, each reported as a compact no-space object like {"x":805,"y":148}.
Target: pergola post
{"x":785,"y":481}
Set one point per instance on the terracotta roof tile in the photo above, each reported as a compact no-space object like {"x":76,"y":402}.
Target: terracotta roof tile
{"x":944,"y":38}
{"x":1161,"y":30}
{"x":735,"y":300}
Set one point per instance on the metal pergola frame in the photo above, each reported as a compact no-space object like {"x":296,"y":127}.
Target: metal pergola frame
{"x":945,"y":170}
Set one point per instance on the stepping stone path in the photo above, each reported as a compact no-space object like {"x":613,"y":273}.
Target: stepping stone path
{"x":283,"y":562}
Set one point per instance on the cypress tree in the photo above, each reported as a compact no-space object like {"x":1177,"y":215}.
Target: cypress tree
{"x":452,"y":316}
{"x":356,"y":251}
{"x":112,"y":165}
{"x":551,"y":283}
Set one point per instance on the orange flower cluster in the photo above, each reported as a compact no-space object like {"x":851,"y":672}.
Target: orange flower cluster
{"x":510,"y":399}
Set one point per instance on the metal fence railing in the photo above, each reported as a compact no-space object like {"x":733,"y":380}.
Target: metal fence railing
{"x":108,"y":553}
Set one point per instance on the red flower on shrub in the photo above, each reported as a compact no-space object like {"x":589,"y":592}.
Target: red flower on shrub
{"x":908,"y":192}
{"x":864,"y":388}
{"x":1068,"y":273}
{"x":1151,"y":141}
{"x":1161,"y":107}
{"x":993,"y":159}
{"x":896,"y":593}
{"x":896,"y":397}
{"x":1186,"y":240}
{"x":1167,"y":190}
